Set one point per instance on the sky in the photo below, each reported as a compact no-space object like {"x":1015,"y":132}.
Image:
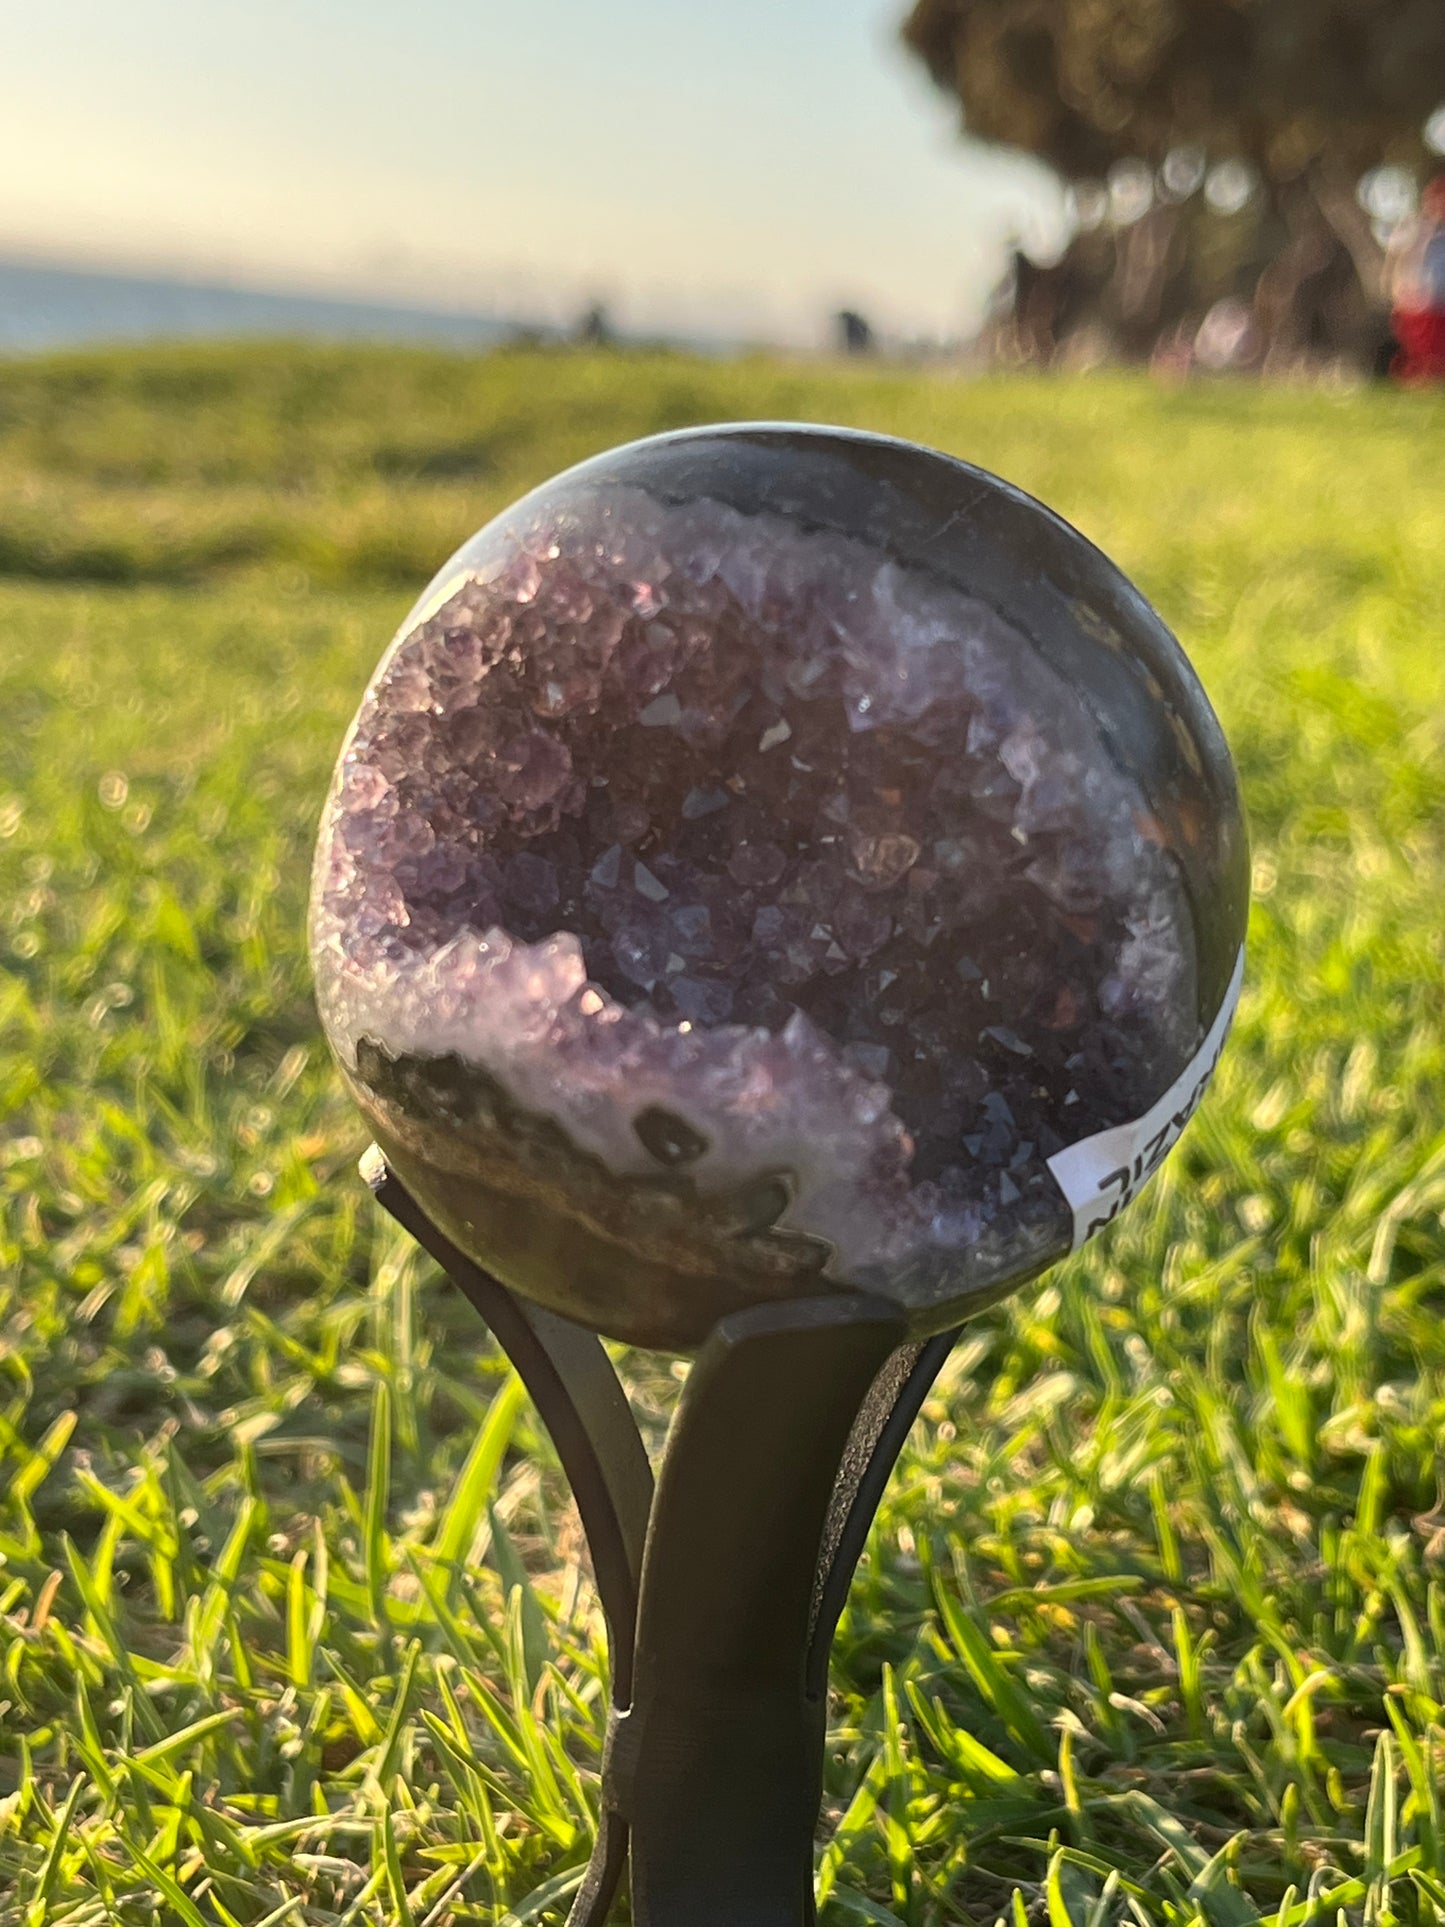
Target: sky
{"x":742,"y":168}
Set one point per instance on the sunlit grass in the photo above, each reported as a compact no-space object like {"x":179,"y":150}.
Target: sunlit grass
{"x":294,"y":1625}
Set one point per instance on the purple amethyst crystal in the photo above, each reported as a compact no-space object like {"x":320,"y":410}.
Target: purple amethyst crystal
{"x":773,"y":861}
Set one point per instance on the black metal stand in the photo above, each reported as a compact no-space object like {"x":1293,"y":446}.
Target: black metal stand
{"x":722,"y":1590}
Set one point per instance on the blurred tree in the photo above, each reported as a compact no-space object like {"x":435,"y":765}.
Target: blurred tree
{"x":1229,"y":137}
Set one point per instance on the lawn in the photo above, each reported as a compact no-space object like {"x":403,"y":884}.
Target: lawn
{"x":295,"y":1621}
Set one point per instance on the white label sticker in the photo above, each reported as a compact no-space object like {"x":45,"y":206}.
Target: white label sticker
{"x":1100,"y":1175}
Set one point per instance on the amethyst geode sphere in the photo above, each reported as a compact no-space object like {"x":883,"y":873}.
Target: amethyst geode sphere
{"x":773,"y":861}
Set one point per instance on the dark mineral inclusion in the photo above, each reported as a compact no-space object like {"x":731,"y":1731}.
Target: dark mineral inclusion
{"x":761,"y":852}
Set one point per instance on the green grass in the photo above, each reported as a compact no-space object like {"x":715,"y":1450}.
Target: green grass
{"x":293,"y":1622}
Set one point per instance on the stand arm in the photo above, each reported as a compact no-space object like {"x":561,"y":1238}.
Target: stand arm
{"x":881,"y":1431}
{"x":570,"y":1380}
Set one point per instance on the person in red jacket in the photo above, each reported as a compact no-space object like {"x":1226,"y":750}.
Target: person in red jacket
{"x":1418,"y":291}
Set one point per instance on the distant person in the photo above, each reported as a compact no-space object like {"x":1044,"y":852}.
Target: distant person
{"x":1417,"y":289}
{"x":855,"y":333}
{"x":594,"y":327}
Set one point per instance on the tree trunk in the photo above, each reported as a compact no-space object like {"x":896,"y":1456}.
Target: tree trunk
{"x":1321,"y":298}
{"x":1303,"y":259}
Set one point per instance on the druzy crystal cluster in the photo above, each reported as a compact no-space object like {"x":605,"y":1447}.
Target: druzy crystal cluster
{"x":759,"y":854}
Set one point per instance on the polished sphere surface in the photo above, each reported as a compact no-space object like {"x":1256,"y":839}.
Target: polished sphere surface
{"x":773,"y":861}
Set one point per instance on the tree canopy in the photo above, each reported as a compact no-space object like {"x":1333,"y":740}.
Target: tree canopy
{"x":1289,"y":85}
